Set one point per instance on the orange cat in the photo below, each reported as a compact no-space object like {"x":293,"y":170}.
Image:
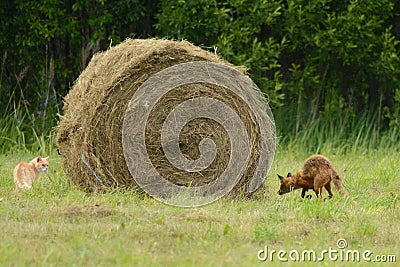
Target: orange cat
{"x":25,"y":173}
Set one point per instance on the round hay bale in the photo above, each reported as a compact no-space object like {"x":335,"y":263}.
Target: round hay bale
{"x":90,"y":134}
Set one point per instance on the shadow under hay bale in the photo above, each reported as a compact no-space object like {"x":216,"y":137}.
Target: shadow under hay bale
{"x":96,"y":105}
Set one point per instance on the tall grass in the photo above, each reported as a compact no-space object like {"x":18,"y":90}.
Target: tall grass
{"x":21,"y":130}
{"x":28,"y":111}
{"x":336,"y":133}
{"x":25,"y":128}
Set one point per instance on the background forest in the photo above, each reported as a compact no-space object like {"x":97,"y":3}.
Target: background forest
{"x":319,"y":62}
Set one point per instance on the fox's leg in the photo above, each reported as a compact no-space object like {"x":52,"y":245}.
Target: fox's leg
{"x":318,"y":185}
{"x":303,"y":192}
{"x":328,"y":188}
{"x":318,"y":191}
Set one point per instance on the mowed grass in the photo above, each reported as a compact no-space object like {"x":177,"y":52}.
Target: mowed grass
{"x":55,"y":224}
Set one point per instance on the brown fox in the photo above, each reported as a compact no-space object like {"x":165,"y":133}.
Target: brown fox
{"x":316,"y":173}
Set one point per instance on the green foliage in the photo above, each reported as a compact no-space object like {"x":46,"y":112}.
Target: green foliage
{"x":321,"y":56}
{"x":340,"y":51}
{"x":66,"y":32}
{"x":239,"y":30}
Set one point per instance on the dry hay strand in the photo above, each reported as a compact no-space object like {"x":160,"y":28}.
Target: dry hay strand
{"x":96,"y":105}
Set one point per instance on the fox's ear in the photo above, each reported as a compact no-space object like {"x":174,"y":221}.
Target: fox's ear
{"x":280,"y":177}
{"x":289,"y":174}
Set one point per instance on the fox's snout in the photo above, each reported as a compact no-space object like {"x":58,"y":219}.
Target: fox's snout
{"x":284,"y":191}
{"x":286,"y":185}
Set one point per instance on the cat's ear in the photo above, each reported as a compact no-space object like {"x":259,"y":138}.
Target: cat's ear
{"x":39,"y":158}
{"x":45,"y":158}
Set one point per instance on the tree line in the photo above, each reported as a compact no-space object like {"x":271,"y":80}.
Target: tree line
{"x":310,"y":57}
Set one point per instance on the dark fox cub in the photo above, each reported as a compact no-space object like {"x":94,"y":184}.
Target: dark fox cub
{"x":316,"y":173}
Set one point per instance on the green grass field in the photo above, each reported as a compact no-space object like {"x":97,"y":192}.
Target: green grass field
{"x":55,"y":224}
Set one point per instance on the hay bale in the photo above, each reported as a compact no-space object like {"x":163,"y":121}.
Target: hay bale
{"x":89,"y":135}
